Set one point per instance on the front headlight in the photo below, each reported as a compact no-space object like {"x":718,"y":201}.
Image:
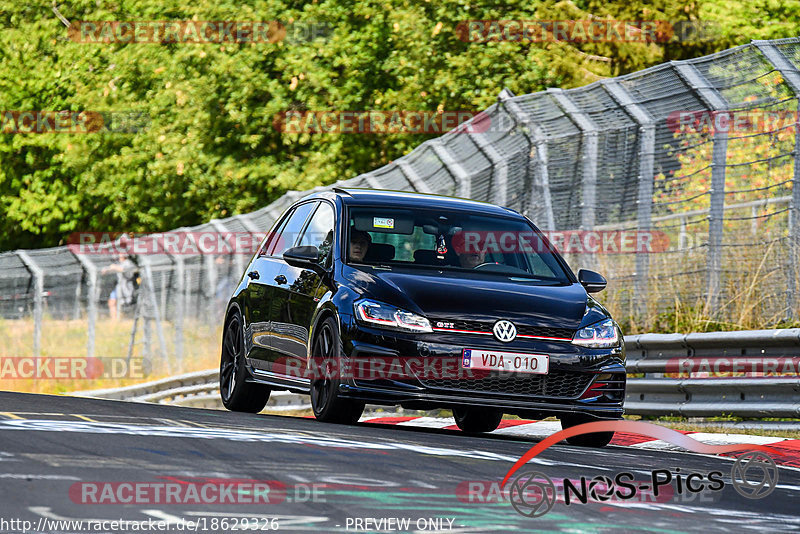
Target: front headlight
{"x":602,"y":335}
{"x":377,"y":313}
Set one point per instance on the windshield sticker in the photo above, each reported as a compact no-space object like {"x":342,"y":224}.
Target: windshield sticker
{"x":383,"y":222}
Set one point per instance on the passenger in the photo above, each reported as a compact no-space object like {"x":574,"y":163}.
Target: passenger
{"x":359,"y":244}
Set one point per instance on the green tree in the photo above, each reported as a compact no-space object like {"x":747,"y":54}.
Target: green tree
{"x":210,"y":149}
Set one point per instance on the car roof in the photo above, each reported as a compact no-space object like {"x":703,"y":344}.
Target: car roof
{"x":406,"y":199}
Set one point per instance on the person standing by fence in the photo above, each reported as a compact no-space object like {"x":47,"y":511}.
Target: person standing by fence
{"x":125,"y":290}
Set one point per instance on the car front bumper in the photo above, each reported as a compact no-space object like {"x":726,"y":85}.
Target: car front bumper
{"x":579,"y":380}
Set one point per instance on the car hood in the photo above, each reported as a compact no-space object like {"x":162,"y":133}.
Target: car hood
{"x":473,"y":296}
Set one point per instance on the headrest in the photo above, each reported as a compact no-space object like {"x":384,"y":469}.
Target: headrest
{"x":426,"y":257}
{"x":379,"y":252}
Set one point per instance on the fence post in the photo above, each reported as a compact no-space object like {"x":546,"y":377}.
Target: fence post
{"x":253,"y":229}
{"x":371,"y":180}
{"x":38,"y":296}
{"x":537,"y":138}
{"x":644,"y":209}
{"x":247,"y":223}
{"x":147,"y":279}
{"x":91,"y":271}
{"x":416,"y":180}
{"x":212,"y":280}
{"x":76,"y":309}
{"x":716,"y":213}
{"x":589,"y":130}
{"x":682,"y":236}
{"x":238,"y":259}
{"x":499,"y":186}
{"x":453,"y":167}
{"x":180,"y":300}
{"x":791,"y":76}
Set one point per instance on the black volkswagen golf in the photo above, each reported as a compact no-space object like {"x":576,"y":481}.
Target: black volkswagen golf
{"x":382,"y":297}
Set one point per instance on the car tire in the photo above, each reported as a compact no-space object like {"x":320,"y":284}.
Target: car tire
{"x":476,"y":419}
{"x":237,"y":394}
{"x":595,"y":439}
{"x":326,"y":403}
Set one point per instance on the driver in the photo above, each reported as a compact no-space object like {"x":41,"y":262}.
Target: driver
{"x":471,"y":254}
{"x":470,"y":260}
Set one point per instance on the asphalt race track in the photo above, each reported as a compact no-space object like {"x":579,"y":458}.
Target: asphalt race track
{"x":330,"y":478}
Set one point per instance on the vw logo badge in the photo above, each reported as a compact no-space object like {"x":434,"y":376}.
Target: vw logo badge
{"x":505,"y":331}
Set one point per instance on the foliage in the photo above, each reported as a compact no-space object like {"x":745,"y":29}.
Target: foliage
{"x":211,"y":150}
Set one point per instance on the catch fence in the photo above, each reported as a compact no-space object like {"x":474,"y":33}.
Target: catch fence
{"x":702,"y":154}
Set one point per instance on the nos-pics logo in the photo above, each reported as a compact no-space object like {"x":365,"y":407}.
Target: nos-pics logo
{"x":754,"y":474}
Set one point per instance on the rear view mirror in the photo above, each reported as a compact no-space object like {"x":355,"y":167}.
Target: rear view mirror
{"x":591,"y":281}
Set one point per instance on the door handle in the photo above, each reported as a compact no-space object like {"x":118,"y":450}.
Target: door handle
{"x":280,"y":279}
{"x":253,"y":275}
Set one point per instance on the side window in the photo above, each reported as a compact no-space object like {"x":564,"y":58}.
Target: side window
{"x":288,"y":235}
{"x":272,"y":238}
{"x":539,"y":267}
{"x":319,"y":232}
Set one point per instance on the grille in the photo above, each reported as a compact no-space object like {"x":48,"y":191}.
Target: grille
{"x":611,"y":386}
{"x":556,"y":384}
{"x":478,"y":326}
{"x":525,"y":330}
{"x":544,"y":331}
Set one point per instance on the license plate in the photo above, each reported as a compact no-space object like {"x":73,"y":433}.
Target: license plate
{"x":515,"y":362}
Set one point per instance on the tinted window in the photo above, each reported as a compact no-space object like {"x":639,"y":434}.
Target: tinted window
{"x":450,"y":240}
{"x":271,"y":239}
{"x":292,"y":228}
{"x":319,"y":232}
{"x":405,"y":245}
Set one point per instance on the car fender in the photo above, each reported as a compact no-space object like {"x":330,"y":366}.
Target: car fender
{"x":325,"y":308}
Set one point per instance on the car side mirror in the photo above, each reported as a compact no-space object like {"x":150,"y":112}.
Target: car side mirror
{"x":305,"y":257}
{"x":593,"y":282}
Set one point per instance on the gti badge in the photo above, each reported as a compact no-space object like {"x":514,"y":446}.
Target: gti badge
{"x":505,"y":331}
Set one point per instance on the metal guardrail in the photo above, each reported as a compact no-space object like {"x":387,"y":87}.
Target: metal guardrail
{"x":752,"y":397}
{"x":199,"y":390}
{"x":147,"y":389}
{"x":653,"y":355}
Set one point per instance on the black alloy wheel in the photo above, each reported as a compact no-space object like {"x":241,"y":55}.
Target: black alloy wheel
{"x":237,"y":394}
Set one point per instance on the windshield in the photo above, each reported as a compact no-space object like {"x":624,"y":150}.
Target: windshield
{"x":449,"y":240}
